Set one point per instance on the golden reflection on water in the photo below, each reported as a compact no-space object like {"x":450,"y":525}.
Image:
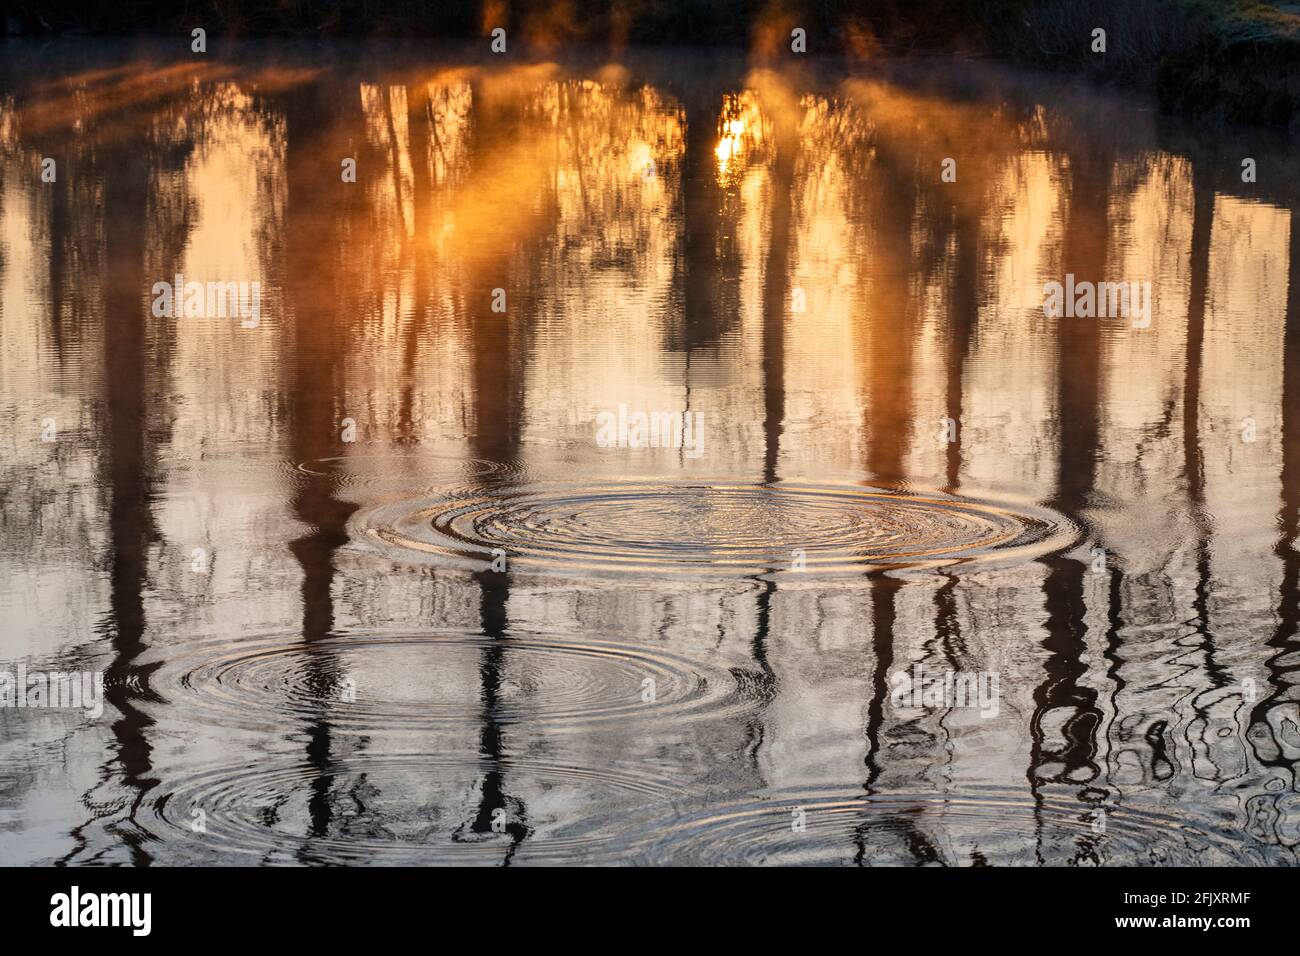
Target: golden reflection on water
{"x":776,"y":252}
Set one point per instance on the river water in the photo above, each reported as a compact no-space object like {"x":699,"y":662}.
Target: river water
{"x":657,"y":459}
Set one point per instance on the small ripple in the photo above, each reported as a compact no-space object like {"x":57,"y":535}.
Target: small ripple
{"x":364,"y":683}
{"x":720,"y":529}
{"x":365,"y":475}
{"x":980,"y":825}
{"x":396,"y":809}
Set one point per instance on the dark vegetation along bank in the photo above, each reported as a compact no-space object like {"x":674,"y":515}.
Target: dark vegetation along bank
{"x":1235,"y":59}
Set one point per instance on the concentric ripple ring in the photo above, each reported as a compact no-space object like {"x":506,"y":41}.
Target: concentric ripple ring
{"x":428,"y":681}
{"x":721,"y":528}
{"x":397,"y":808}
{"x":980,"y":824}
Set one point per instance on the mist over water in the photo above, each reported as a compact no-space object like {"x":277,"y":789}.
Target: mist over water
{"x":367,"y":584}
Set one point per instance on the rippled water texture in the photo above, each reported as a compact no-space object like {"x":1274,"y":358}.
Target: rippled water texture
{"x":644,"y":462}
{"x":724,"y":529}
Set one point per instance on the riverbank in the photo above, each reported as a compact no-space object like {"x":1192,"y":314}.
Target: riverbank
{"x":1232,"y":59}
{"x":1237,"y":60}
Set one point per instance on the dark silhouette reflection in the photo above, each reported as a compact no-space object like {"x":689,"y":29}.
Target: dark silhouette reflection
{"x":130,"y":487}
{"x":127,"y":477}
{"x":761,"y":681}
{"x":1193,"y":464}
{"x":496,"y":439}
{"x":891,"y":318}
{"x":419,"y":122}
{"x":1062,"y":702}
{"x":708,"y":256}
{"x":964,"y":316}
{"x":319,"y":342}
{"x":1271,"y":714}
{"x":1193,"y":459}
{"x":776,"y":283}
{"x":498,"y":812}
{"x":60,"y":239}
{"x":499,"y":343}
{"x":884,"y":598}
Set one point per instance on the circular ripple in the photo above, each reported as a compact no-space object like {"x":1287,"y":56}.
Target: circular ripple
{"x":398,"y":809}
{"x":381,"y":682}
{"x":376,"y":464}
{"x":365,"y":473}
{"x":729,"y":529}
{"x":985,"y":825}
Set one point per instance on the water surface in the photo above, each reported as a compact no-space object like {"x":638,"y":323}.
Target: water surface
{"x":367,"y":585}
